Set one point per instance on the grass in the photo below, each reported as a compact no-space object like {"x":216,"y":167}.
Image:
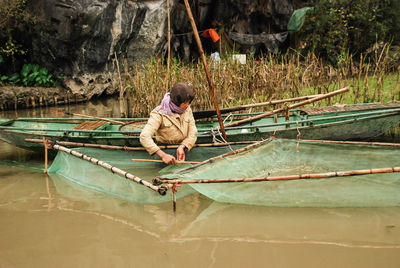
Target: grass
{"x":273,"y":77}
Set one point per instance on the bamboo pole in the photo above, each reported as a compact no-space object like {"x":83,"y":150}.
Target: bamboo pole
{"x":174,"y":202}
{"x":274,"y":102}
{"x":95,"y":117}
{"x":209,"y":113}
{"x":350,"y":142}
{"x":210,"y":83}
{"x":169,"y":48}
{"x":212,"y":159}
{"x":45,"y":154}
{"x":121,"y":88}
{"x":174,"y":191}
{"x":113,"y":169}
{"x":160,"y":161}
{"x":126,"y":148}
{"x":122,"y":104}
{"x":288,"y":177}
{"x":257,"y":117}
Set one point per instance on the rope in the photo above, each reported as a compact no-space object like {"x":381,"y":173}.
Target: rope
{"x":214,"y":138}
{"x":175,"y":187}
{"x":218,"y":132}
{"x":230,"y":115}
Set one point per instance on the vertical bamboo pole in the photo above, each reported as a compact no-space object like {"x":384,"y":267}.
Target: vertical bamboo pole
{"x":50,"y":204}
{"x":122,"y":106}
{"x":174,"y":202}
{"x":45,"y":154}
{"x":210,"y":83}
{"x":169,"y":48}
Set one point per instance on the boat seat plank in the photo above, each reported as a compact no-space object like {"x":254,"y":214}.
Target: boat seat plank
{"x":90,"y":125}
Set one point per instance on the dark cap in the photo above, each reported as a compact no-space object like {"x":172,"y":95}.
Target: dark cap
{"x":180,"y":93}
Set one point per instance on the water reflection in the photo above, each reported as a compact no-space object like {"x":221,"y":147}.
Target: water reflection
{"x":201,"y":219}
{"x":106,"y":107}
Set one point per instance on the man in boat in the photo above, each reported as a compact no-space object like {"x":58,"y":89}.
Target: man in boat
{"x":173,"y":123}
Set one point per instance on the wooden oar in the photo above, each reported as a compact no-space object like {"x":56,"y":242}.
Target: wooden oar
{"x":209,"y":113}
{"x":257,"y":117}
{"x":289,"y":177}
{"x":160,"y":161}
{"x":120,"y":172}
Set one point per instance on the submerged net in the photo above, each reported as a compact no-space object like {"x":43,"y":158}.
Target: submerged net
{"x":284,"y":157}
{"x":100,"y":179}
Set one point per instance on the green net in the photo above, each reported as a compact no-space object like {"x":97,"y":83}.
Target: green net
{"x":296,"y":21}
{"x":284,"y":157}
{"x":100,"y":179}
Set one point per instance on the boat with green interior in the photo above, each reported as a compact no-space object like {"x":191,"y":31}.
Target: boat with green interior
{"x":347,"y":122}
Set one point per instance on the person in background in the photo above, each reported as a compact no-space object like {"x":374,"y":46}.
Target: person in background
{"x":173,"y":123}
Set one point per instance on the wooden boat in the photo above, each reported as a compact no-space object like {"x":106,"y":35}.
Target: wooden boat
{"x":350,"y":122}
{"x":332,"y":174}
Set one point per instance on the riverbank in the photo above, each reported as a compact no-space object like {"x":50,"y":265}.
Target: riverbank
{"x":16,"y":97}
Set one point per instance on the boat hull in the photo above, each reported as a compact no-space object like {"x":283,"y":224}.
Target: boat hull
{"x":343,"y":125}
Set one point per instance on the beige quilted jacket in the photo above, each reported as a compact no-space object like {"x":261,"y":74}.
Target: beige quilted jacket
{"x":169,"y":129}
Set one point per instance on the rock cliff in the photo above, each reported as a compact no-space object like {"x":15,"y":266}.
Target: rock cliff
{"x":88,"y":41}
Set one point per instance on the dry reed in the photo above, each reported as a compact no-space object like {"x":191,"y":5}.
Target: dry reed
{"x":273,"y":77}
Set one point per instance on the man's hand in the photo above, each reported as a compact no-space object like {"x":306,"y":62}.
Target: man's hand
{"x":166,"y":158}
{"x":180,"y":152}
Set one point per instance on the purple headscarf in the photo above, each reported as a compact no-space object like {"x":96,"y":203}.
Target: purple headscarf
{"x":168,"y":106}
{"x":180,"y":93}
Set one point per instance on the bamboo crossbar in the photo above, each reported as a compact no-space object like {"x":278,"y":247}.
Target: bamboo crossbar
{"x":160,"y":161}
{"x":68,"y":119}
{"x":211,"y":113}
{"x":372,"y":143}
{"x":95,"y":117}
{"x":274,"y":102}
{"x":240,"y":150}
{"x":255,"y":144}
{"x":257,"y":117}
{"x":120,"y":172}
{"x":287,"y":177}
{"x":126,"y":148}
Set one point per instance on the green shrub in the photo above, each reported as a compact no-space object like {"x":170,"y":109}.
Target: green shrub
{"x":30,"y":75}
{"x":341,"y":27}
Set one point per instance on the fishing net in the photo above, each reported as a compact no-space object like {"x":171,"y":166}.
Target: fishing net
{"x":100,"y":179}
{"x":284,"y":157}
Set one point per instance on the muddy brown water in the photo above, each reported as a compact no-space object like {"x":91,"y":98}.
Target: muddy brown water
{"x":51,"y":222}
